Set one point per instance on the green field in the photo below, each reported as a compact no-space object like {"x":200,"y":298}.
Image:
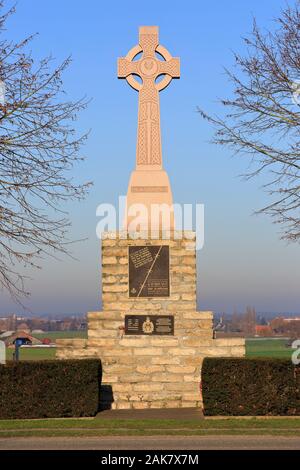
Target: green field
{"x":254,"y":347}
{"x":62,"y":334}
{"x":34,"y":354}
{"x":275,"y":348}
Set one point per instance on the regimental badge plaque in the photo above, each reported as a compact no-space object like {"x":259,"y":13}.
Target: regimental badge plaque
{"x":149,"y":271}
{"x":149,"y":325}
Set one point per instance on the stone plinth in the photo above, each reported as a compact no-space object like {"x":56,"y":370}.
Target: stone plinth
{"x":147,"y":371}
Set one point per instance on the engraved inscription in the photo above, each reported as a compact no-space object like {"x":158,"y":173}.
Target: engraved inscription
{"x":149,"y":325}
{"x":149,"y":271}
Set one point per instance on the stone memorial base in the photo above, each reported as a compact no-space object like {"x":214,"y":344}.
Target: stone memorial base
{"x":148,"y":363}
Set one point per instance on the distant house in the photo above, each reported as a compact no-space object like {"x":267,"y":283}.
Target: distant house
{"x":31,"y":340}
{"x":263,"y":330}
{"x":47,"y":341}
{"x":37,"y":332}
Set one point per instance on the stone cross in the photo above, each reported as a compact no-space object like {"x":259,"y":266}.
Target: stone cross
{"x":148,"y":68}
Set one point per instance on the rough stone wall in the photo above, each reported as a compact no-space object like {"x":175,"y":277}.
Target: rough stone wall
{"x":150,"y":371}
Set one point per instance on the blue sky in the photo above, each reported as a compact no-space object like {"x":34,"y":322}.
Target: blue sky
{"x":243,"y":261}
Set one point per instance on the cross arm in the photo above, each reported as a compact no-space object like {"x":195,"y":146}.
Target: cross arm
{"x":126,"y":67}
{"x":170,"y":67}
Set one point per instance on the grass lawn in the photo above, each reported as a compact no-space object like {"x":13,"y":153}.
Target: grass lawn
{"x":34,"y":354}
{"x":115,"y":427}
{"x":275,"y":348}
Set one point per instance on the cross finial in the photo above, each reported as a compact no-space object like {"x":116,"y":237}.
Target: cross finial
{"x":149,"y":67}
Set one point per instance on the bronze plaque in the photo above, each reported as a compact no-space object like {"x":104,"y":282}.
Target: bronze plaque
{"x":149,"y":271}
{"x":149,"y":325}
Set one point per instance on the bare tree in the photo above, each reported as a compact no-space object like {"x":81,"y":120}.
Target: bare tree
{"x":262,"y":120}
{"x":38,"y":147}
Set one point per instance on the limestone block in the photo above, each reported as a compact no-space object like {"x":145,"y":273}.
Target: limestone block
{"x":186,"y":288}
{"x":134,"y":341}
{"x":101,"y":342}
{"x":183,"y":269}
{"x":123,"y":387}
{"x":188,"y":245}
{"x":109,"y":279}
{"x":109,"y":379}
{"x":116,"y":369}
{"x":196,"y":341}
{"x":230,"y":342}
{"x":181,"y":369}
{"x":147,"y":306}
{"x":117,"y":306}
{"x":141,"y":405}
{"x":157,"y":404}
{"x":190,"y":404}
{"x":166,"y":377}
{"x":164,"y":360}
{"x":192,"y":361}
{"x":113,"y":325}
{"x":94,"y":315}
{"x":117,"y":352}
{"x":191,"y":296}
{"x":149,"y":369}
{"x":103,"y":333}
{"x":188,"y":387}
{"x":132,"y":378}
{"x":108,"y":297}
{"x":166,"y":341}
{"x":192,"y":378}
{"x":173,"y":404}
{"x":133,"y":360}
{"x":189,"y":260}
{"x":123,"y":405}
{"x":114,"y":251}
{"x":148,"y":352}
{"x":214,"y":351}
{"x":181,"y":252}
{"x":109,"y":260}
{"x":119,"y":269}
{"x":191,"y":396}
{"x":238,"y":351}
{"x":181,"y":306}
{"x":109,"y":242}
{"x":182,"y":351}
{"x":115,"y":288}
{"x":149,"y":387}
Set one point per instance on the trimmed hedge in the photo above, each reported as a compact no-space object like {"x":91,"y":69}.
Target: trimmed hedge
{"x":238,"y":387}
{"x":50,"y":389}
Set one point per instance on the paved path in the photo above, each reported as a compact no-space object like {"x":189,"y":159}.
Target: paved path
{"x":162,"y":413}
{"x":153,"y":443}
